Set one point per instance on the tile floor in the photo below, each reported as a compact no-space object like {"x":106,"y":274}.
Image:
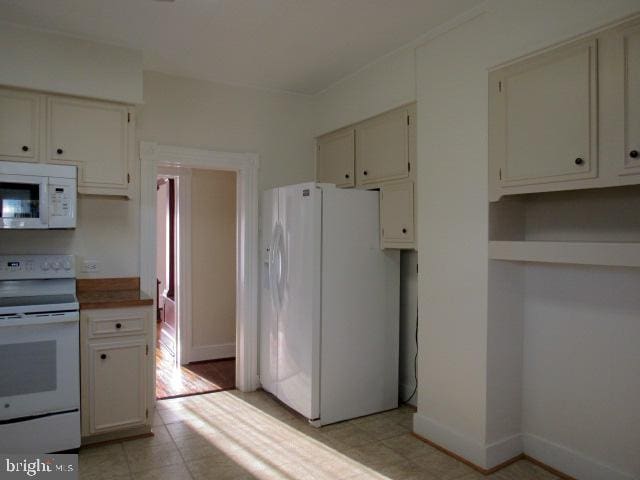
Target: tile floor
{"x":232,"y":436}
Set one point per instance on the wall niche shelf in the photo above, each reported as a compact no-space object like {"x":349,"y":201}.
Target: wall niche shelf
{"x":625,"y":254}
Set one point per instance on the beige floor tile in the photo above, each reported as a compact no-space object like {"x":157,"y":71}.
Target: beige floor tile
{"x":172,"y":472}
{"x":409,"y":446}
{"x":406,"y":471}
{"x":195,"y":447}
{"x":104,"y":462}
{"x":381,"y":428}
{"x":523,"y":470}
{"x":375,"y":455}
{"x":344,"y":436}
{"x":217,"y":468}
{"x":443,"y":466}
{"x":145,"y":456}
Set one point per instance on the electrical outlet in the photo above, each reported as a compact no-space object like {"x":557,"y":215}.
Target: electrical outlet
{"x":90,"y":266}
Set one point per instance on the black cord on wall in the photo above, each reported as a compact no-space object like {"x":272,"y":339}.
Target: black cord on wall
{"x":415,"y":361}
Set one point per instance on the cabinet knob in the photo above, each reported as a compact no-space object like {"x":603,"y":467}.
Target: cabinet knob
{"x":633,"y":153}
{"x":118,"y":325}
{"x":365,"y":173}
{"x":103,"y":356}
{"x":59,"y":151}
{"x":346,"y":175}
{"x":25,"y":148}
{"x":404,"y":230}
{"x":579,"y":161}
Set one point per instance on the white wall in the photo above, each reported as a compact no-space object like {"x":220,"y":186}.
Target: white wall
{"x":213,"y":264}
{"x":581,"y":369}
{"x":381,"y":86}
{"x":62,"y":64}
{"x":455,"y":366}
{"x":200,"y":114}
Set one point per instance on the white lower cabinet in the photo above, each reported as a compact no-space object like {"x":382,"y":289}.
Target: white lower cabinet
{"x":116,"y":370}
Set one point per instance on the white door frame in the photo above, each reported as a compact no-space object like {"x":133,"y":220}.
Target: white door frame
{"x":245,"y":165}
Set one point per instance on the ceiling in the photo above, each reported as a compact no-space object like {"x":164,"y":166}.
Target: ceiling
{"x":300,"y":46}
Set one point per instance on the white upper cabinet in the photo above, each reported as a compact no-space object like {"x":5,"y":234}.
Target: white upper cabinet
{"x":19,"y":125}
{"x":397,"y":215}
{"x":336,"y":157}
{"x":630,"y":40}
{"x":93,"y":136}
{"x":545,"y":117}
{"x":382,"y":147}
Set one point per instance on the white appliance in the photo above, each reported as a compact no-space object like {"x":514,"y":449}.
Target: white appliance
{"x":37,"y":195}
{"x":329,"y":303}
{"x":39,"y":354}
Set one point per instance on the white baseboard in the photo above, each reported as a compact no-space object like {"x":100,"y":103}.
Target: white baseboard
{"x":447,"y":438}
{"x":481,"y":455}
{"x":569,"y":461}
{"x":212,"y":352}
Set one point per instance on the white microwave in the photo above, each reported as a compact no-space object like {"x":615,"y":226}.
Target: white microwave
{"x":37,"y":195}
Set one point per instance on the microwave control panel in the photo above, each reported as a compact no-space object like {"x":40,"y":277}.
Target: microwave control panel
{"x":62,"y":202}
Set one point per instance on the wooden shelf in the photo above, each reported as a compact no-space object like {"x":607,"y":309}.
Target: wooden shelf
{"x":580,"y":253}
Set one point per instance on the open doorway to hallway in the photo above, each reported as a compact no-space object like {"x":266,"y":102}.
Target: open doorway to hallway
{"x":196,"y":298}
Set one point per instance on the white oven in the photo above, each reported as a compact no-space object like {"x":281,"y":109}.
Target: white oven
{"x":37,"y":195}
{"x":39,"y":354}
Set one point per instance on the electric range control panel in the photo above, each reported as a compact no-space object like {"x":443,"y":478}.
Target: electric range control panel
{"x":23,"y":267}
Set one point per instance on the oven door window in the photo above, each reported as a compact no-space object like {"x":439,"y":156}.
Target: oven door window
{"x":40,"y":368}
{"x":19,"y":200}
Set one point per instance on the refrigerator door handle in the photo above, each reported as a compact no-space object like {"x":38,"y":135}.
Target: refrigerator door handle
{"x":273,"y":269}
{"x":282,"y":267}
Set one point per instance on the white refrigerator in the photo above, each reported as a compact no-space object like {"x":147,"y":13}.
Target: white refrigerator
{"x":329,"y":324}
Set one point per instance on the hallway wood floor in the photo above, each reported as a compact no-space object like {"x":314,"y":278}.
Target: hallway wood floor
{"x":192,"y":379}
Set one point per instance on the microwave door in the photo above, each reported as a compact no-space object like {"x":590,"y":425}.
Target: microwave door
{"x":23,"y":202}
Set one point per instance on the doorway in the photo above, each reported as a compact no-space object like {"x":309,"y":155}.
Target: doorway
{"x":196,"y":317}
{"x":153,"y":156}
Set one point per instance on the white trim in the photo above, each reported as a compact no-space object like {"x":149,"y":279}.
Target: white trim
{"x":482,"y":455}
{"x":213,"y":352}
{"x":246,"y":167}
{"x":453,"y":441}
{"x":569,"y":461}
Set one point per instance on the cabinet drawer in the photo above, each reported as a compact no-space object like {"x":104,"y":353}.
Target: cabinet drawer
{"x":114,"y":323}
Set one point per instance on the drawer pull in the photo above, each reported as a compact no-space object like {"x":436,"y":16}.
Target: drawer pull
{"x":103,"y":356}
{"x":579,"y":161}
{"x":633,"y":153}
{"x":118,"y":325}
{"x":25,"y":148}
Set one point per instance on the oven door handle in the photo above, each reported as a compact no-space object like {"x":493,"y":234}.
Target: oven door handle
{"x":27,"y":320}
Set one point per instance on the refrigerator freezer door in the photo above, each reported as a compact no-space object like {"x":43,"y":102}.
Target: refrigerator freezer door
{"x":360,"y":309}
{"x":299,"y":276}
{"x":268,"y":311}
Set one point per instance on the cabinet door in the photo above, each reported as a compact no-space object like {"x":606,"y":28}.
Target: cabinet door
{"x":545,"y":120}
{"x":631,"y":67}
{"x":93,"y":136}
{"x":382,"y":148}
{"x":336,"y":157}
{"x":117,"y":384}
{"x":396,"y":215}
{"x":19,"y":126}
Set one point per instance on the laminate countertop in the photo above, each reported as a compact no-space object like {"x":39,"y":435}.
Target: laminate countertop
{"x":111,"y":293}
